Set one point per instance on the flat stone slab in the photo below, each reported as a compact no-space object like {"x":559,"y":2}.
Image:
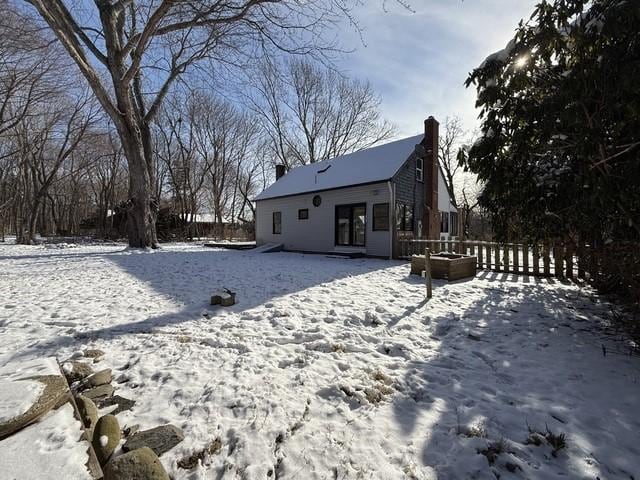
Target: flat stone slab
{"x":122,"y":403}
{"x":99,"y":393}
{"x":102,"y":377}
{"x":18,"y":396}
{"x":159,"y":439}
{"x":49,"y":448}
{"x":41,"y":432}
{"x":28,"y":391}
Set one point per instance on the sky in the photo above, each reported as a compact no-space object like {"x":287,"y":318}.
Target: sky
{"x":418,"y":61}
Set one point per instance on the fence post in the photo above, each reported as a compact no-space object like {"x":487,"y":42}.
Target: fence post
{"x":582,"y":252}
{"x":427,"y":271}
{"x":497,"y":255}
{"x":488,"y":255}
{"x":507,"y":266}
{"x":545,"y":259}
{"x":536,"y":259}
{"x":558,"y":260}
{"x":525,"y":257}
{"x":516,"y":257}
{"x":480,"y":259}
{"x":568,"y":256}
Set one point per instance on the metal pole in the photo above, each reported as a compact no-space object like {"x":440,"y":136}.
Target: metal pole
{"x":427,"y":271}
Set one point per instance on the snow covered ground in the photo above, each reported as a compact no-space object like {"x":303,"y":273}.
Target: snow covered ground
{"x":335,"y":369}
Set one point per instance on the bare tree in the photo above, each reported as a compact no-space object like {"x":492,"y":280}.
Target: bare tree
{"x":224,"y":137}
{"x":312,"y":113}
{"x":176,"y":149}
{"x":116,"y":43}
{"x":28,"y":77}
{"x":46,"y":141}
{"x":450,"y":146}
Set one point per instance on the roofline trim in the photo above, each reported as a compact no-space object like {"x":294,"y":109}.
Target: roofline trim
{"x":374,"y":182}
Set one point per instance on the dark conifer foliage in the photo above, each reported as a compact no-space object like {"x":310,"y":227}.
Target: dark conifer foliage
{"x":560,"y":111}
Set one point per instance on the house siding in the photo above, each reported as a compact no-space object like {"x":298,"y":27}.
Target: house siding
{"x":410,"y":191}
{"x":317,"y":233}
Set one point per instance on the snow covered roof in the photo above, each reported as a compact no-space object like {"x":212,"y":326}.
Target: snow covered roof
{"x":375,"y":164}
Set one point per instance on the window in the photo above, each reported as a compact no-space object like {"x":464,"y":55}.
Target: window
{"x":351,"y":222}
{"x":404,"y":217}
{"x":453,"y":222}
{"x":444,"y":222}
{"x":419,"y":169}
{"x":381,"y":217}
{"x":303,"y":214}
{"x":317,"y":200}
{"x":277,"y":223}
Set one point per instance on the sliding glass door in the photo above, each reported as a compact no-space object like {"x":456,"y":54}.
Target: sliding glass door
{"x":351,"y":225}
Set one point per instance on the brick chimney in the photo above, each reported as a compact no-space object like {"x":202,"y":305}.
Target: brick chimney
{"x":280,"y":171}
{"x":431,"y":220}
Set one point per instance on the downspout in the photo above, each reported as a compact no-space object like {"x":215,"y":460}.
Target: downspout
{"x":392,"y":209}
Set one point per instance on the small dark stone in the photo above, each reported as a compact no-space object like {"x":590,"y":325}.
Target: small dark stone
{"x":128,"y":431}
{"x":140,"y":464}
{"x":159,"y":439}
{"x":122,"y":403}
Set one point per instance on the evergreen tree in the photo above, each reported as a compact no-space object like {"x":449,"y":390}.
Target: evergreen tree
{"x":560,"y":111}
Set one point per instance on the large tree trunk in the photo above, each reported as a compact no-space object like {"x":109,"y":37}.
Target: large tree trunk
{"x":141,"y":216}
{"x":142,"y":206}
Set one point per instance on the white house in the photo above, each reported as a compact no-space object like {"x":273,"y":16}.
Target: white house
{"x":343,"y":205}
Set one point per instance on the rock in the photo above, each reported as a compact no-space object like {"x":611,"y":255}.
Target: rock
{"x":99,"y":378}
{"x":76,"y":371}
{"x":54,"y":394}
{"x":128,"y":431}
{"x":93,"y":353}
{"x":99,"y":393}
{"x":88,"y":413}
{"x":140,"y":464}
{"x":122,"y":403}
{"x":228,"y":299}
{"x":160,"y":439}
{"x":225,"y":297}
{"x":106,"y":437}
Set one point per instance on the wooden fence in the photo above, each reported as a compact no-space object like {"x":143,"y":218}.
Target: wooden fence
{"x":545,"y":259}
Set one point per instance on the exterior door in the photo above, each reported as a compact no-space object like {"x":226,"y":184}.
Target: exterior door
{"x":351,"y":225}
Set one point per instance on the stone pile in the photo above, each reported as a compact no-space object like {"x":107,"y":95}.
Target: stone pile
{"x":93,"y":390}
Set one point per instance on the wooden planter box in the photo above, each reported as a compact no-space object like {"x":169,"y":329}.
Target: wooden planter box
{"x":447,"y":266}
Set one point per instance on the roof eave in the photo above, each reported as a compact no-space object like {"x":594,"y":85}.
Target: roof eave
{"x":373,"y":182}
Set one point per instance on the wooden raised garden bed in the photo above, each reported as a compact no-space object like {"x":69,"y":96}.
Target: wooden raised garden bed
{"x":447,"y":266}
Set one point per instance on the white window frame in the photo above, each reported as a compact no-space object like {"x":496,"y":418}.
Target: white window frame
{"x":420,"y":169}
